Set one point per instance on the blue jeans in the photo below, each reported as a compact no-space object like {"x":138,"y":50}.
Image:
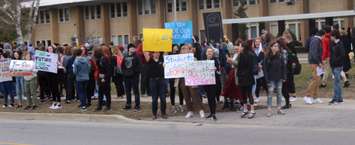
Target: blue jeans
{"x":81,"y":90}
{"x":7,"y":89}
{"x":157,"y":90}
{"x":132,"y":83}
{"x":337,"y":86}
{"x":20,"y":87}
{"x":272,"y":85}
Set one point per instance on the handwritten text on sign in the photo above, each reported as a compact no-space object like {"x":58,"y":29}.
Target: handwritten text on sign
{"x":175,"y":65}
{"x":47,"y":62}
{"x":182,"y":31}
{"x":200,"y":73}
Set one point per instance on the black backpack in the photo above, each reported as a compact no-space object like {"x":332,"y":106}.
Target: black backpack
{"x":297,"y":68}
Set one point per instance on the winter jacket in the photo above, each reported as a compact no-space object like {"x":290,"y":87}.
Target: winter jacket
{"x":106,"y":68}
{"x":326,"y":46}
{"x":275,"y":68}
{"x":337,"y":54}
{"x":81,"y":69}
{"x":245,"y":68}
{"x":315,"y":50}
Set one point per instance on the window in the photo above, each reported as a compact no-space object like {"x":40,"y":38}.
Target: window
{"x":87,"y":13}
{"x":181,"y":5}
{"x":274,"y":29}
{"x":337,"y":21}
{"x":122,"y":40}
{"x":44,"y":17}
{"x":247,"y":2}
{"x":274,"y":1}
{"x":63,"y":14}
{"x":253,"y":30}
{"x":294,"y":27}
{"x":119,"y":10}
{"x":146,"y":7}
{"x":209,"y":4}
{"x":93,"y":12}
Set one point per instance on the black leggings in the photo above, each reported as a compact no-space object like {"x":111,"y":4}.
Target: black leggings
{"x":173,"y":92}
{"x":211,"y":91}
{"x":261,"y":83}
{"x":246,"y":92}
{"x":105,"y":89}
{"x":53,"y":86}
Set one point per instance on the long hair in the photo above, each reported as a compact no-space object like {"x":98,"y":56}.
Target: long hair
{"x":269,"y":51}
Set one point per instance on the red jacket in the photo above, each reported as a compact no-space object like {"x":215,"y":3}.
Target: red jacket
{"x":326,"y":46}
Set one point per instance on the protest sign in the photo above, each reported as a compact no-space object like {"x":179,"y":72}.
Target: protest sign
{"x":157,"y":40}
{"x":4,"y":67}
{"x":182,"y":31}
{"x":200,"y":73}
{"x":47,"y":62}
{"x":175,"y":65}
{"x":21,"y":67}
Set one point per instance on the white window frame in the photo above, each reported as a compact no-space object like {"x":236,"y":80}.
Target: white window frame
{"x":115,"y":5}
{"x":143,"y":7}
{"x":248,"y":3}
{"x":64,"y":10}
{"x":88,"y":9}
{"x":120,"y":40}
{"x":278,"y":1}
{"x":257,"y":30}
{"x":276,"y":28}
{"x":178,"y":5}
{"x":45,"y":20}
{"x":340,"y":21}
{"x":297,"y":24}
{"x":212,"y":5}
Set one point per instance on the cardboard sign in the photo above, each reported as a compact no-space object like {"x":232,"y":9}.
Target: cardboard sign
{"x":5,"y":67}
{"x":182,"y":31}
{"x":47,"y":62}
{"x":22,"y":67}
{"x":200,"y":73}
{"x":157,"y":40}
{"x":175,"y":65}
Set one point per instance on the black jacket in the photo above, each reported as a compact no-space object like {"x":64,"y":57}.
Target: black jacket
{"x":131,"y":65}
{"x":245,"y":69}
{"x":337,"y":54}
{"x":155,"y":69}
{"x":275,"y":68}
{"x":106,"y":68}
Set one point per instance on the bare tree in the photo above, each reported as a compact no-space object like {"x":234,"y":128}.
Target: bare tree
{"x":241,"y":13}
{"x":22,"y":17}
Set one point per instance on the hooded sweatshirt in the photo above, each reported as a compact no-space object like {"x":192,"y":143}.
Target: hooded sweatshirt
{"x":81,"y":68}
{"x":326,"y":46}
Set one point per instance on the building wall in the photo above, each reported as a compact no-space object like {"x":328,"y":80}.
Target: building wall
{"x":133,"y":24}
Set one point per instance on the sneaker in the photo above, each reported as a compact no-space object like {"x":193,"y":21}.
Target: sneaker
{"x":244,"y":114}
{"x":317,"y":101}
{"x":214,"y":118}
{"x":202,"y":114}
{"x":280,"y":112}
{"x":181,"y":108}
{"x":154,"y":117}
{"x":251,"y":115}
{"x":286,"y":107}
{"x":333,"y":102}
{"x":308,"y":100}
{"x":53,"y":106}
{"x":11,"y":106}
{"x":4,"y":106}
{"x":126,"y":108}
{"x":340,"y":102}
{"x":269,"y":114}
{"x":164,"y":117}
{"x":257,"y":100}
{"x":58,"y":106}
{"x":83,"y":109}
{"x":293,"y":98}
{"x":189,"y":114}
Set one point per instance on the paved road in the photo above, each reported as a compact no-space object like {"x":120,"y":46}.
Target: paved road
{"x":89,"y":133}
{"x":304,"y":125}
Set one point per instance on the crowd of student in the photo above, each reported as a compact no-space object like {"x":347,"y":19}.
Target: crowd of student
{"x":243,"y":69}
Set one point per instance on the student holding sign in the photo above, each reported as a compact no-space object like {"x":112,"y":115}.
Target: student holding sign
{"x":53,"y":85}
{"x":20,"y":88}
{"x":211,"y":90}
{"x":31,"y":87}
{"x":193,"y":100}
{"x":157,"y":84}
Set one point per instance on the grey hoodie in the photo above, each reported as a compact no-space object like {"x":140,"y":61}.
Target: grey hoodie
{"x":81,"y":68}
